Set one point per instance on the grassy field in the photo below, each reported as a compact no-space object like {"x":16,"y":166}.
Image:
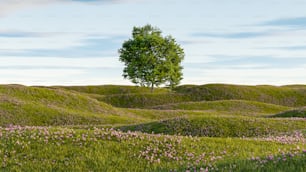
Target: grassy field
{"x":214,"y":127}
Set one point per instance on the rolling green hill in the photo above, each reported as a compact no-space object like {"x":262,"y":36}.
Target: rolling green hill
{"x":82,"y":105}
{"x":137,"y":97}
{"x":220,"y":126}
{"x":215,"y":127}
{"x":41,"y":106}
{"x":113,"y":89}
{"x":294,"y":96}
{"x":242,"y":107}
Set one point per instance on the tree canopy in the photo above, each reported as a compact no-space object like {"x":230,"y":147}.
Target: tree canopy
{"x":151,"y":59}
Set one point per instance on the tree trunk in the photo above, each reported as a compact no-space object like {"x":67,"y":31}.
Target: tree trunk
{"x":152,"y":87}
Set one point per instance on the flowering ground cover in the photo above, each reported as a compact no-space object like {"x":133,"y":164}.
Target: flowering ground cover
{"x":32,"y":148}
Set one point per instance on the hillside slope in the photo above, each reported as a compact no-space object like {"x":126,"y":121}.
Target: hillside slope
{"x":220,"y":126}
{"x":93,"y":104}
{"x":241,"y":107}
{"x":288,"y":95}
{"x":113,"y":89}
{"x":292,"y":96}
{"x":41,"y":106}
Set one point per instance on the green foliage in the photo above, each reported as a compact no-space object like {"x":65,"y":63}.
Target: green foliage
{"x":150,"y":59}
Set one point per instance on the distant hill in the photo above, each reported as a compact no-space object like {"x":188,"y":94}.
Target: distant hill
{"x":138,"y":97}
{"x":218,"y":126}
{"x":98,"y":105}
{"x":113,"y":89}
{"x":241,"y":107}
{"x":294,"y":96}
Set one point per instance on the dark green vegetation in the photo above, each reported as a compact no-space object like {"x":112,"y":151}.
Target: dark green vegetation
{"x":216,"y":126}
{"x":151,"y":59}
{"x":301,"y":112}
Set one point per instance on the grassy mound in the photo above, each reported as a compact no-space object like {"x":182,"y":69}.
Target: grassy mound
{"x":41,"y":106}
{"x":242,"y":107}
{"x":143,"y":100}
{"x":137,"y":97}
{"x":113,"y":89}
{"x":287,"y":96}
{"x":301,"y":113}
{"x":220,"y":126}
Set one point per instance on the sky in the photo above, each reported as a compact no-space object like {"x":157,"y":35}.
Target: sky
{"x":76,"y":42}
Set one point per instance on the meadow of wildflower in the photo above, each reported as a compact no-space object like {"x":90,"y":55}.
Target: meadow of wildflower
{"x":123,"y":128}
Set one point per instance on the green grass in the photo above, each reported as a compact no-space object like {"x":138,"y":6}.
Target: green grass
{"x":219,"y":126}
{"x":237,"y":119}
{"x":41,"y":106}
{"x":113,"y":89}
{"x":279,"y":164}
{"x":242,"y":107}
{"x":287,"y":96}
{"x":143,"y":100}
{"x":292,"y":96}
{"x":65,"y":149}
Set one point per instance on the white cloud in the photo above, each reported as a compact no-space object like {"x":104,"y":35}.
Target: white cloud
{"x":41,"y":62}
{"x":7,"y":6}
{"x":57,"y":77}
{"x":256,"y":46}
{"x":247,"y":76}
{"x":61,"y":71}
{"x":49,"y":42}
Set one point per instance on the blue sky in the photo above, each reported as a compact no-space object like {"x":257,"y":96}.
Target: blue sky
{"x":75,"y":42}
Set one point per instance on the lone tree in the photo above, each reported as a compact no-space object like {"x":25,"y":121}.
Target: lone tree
{"x":151,"y":59}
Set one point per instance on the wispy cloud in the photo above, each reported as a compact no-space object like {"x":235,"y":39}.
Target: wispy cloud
{"x":17,"y":34}
{"x":7,"y":6}
{"x":277,"y":76}
{"x":86,"y":47}
{"x":13,"y":5}
{"x":238,"y":35}
{"x":290,"y":48}
{"x":298,"y":22}
{"x":56,"y":70}
{"x":248,"y":62}
{"x":57,"y":62}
